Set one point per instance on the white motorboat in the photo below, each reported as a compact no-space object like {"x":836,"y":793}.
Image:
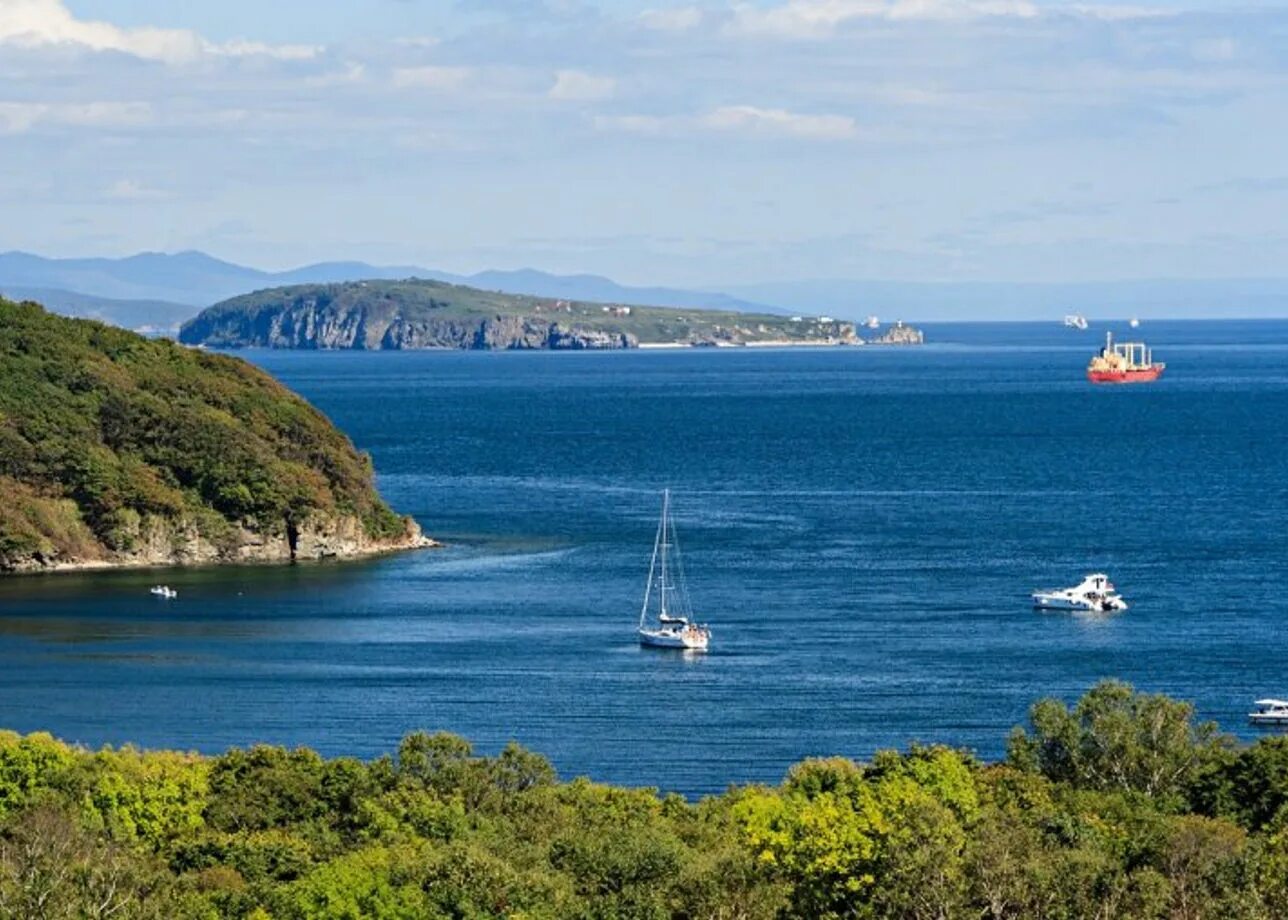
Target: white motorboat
{"x":1076,"y":321}
{"x":1095,"y":592}
{"x":165,"y":591}
{"x":872,"y":322}
{"x":1269,"y":712}
{"x":674,"y":627}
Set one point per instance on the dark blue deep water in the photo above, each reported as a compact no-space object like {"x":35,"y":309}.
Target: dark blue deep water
{"x":861,"y":527}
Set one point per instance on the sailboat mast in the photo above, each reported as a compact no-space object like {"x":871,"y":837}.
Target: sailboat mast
{"x":652,"y":565}
{"x":666,"y":508}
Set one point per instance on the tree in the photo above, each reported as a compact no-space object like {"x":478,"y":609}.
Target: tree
{"x":1115,"y":738}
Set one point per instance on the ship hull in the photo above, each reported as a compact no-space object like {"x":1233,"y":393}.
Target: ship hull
{"x":1136,"y":375}
{"x":655,"y":638}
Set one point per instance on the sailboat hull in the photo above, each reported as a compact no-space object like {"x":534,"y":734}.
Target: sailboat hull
{"x":666,"y":638}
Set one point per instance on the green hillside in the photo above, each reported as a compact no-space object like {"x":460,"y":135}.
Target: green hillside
{"x":434,"y":314}
{"x":117,"y":448}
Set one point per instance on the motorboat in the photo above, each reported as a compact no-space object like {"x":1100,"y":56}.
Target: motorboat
{"x":1269,"y":712}
{"x":1076,"y":321}
{"x":165,"y":591}
{"x":1095,"y":592}
{"x":673,"y":626}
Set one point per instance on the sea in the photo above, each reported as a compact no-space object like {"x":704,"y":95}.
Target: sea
{"x":861,"y":528}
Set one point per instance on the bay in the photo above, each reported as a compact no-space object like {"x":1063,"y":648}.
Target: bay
{"x":861,"y":529}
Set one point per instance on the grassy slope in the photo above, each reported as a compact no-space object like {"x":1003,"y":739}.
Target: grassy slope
{"x":101,"y":429}
{"x":416,"y":299}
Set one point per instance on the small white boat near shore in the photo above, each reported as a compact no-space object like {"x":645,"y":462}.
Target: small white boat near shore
{"x":164,"y":591}
{"x":674,"y":628}
{"x":1095,"y":592}
{"x":1269,"y":712}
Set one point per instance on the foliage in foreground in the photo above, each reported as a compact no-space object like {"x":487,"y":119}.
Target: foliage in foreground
{"x":1122,"y":806}
{"x":105,"y":435}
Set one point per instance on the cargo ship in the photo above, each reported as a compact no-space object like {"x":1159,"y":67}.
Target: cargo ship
{"x":1124,"y":362}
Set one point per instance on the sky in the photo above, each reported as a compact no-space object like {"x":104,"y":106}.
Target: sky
{"x":659,"y":142}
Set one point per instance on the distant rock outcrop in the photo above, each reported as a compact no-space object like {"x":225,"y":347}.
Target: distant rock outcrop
{"x":899,"y":334}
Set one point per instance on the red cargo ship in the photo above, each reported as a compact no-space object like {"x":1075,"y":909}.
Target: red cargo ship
{"x":1124,"y":362}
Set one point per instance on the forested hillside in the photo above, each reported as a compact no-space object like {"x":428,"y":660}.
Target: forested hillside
{"x":1120,"y":807}
{"x":117,"y":449}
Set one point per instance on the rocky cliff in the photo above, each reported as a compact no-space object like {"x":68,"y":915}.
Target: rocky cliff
{"x":305,"y":322}
{"x":157,"y":541}
{"x":899,"y":334}
{"x":382,"y":315}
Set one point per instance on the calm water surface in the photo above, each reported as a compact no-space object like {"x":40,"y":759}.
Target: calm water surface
{"x":861,"y":530}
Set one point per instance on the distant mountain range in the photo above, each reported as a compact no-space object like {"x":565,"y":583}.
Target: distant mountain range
{"x":1001,"y":301}
{"x":161,"y":290}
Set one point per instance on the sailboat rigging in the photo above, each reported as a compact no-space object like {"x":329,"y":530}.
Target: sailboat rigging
{"x":666,"y":585}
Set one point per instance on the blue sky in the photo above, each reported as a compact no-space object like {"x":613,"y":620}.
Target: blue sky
{"x":695,"y":143}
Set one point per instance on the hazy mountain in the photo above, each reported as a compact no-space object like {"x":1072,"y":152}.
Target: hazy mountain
{"x":199,"y":280}
{"x":964,"y":301}
{"x":140,"y":315}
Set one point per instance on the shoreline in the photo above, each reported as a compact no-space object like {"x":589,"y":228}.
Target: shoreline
{"x":92,"y":566}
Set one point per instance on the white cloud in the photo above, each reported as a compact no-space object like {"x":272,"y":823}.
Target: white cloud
{"x":819,"y":18}
{"x":37,"y":23}
{"x":749,"y":118}
{"x":680,"y":19}
{"x":579,"y":85}
{"x":21,"y":117}
{"x":741,"y":119}
{"x":131,"y":190}
{"x":439,"y":79}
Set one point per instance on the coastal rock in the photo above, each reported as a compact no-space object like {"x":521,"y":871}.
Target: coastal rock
{"x":310,"y":323}
{"x":160,"y":542}
{"x":899,"y":334}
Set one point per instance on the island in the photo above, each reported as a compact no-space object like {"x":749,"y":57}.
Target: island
{"x":118,"y":450}
{"x":418,"y":314}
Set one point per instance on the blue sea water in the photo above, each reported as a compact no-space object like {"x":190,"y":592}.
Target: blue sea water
{"x":861,"y":529}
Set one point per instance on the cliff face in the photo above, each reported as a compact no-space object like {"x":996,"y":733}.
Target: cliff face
{"x":899,"y":334}
{"x":308,"y":323}
{"x":157,"y":541}
{"x":414,"y":313}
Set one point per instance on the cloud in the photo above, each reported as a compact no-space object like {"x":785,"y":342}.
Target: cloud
{"x":819,"y":18}
{"x":131,"y":190}
{"x":37,"y":23}
{"x":21,"y":117}
{"x":739,"y":119}
{"x":440,"y":79}
{"x":581,"y":86}
{"x":748,"y":118}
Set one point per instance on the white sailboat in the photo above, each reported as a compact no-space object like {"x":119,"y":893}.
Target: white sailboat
{"x":674,"y":625}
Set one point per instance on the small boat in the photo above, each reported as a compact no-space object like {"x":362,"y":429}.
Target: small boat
{"x":165,"y":591}
{"x":674,"y":625}
{"x":1134,"y":323}
{"x":872,"y":322}
{"x":1076,"y":321}
{"x":1124,"y":362}
{"x":1095,"y":592}
{"x":1269,"y":712}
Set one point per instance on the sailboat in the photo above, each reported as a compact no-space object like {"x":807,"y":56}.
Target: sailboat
{"x":674,"y":624}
